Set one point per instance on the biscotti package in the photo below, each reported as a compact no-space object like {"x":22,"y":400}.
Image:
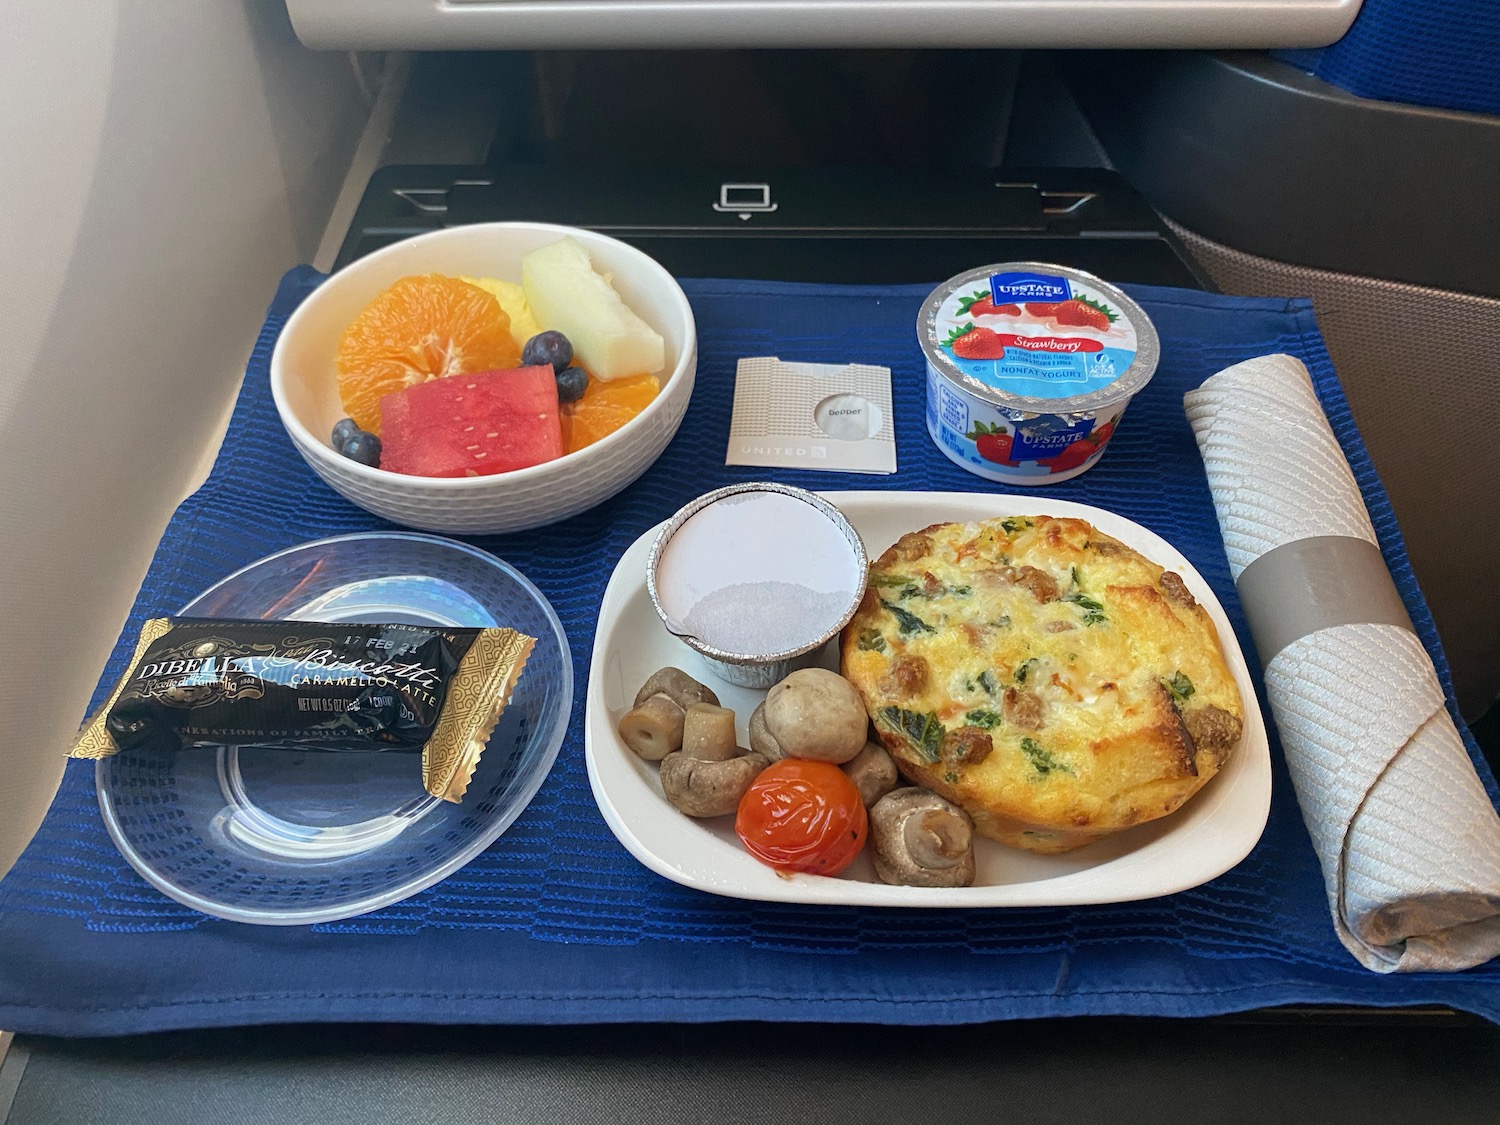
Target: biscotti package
{"x":310,"y":686}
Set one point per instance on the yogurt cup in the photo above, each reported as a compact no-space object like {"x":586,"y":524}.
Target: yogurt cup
{"x":757,"y":579}
{"x":1029,"y":367}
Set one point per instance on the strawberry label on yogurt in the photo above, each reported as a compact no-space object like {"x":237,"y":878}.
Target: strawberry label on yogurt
{"x":1037,"y":335}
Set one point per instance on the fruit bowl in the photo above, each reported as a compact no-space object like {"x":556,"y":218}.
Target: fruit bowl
{"x":304,"y":384}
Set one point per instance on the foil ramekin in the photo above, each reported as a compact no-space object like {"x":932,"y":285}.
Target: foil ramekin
{"x":759,"y":670}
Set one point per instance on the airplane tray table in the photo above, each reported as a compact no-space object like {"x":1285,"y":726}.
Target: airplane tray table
{"x":555,"y":923}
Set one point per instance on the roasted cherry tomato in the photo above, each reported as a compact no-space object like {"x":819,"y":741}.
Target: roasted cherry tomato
{"x":803,"y":816}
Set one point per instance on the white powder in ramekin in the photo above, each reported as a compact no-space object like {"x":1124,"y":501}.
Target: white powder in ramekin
{"x":757,"y":573}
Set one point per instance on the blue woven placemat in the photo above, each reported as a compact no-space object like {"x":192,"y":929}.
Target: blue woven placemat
{"x":556,"y":923}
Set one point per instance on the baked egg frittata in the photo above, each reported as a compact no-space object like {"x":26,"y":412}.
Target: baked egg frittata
{"x":1049,"y":679}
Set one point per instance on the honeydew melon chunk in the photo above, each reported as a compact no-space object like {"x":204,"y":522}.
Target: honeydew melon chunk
{"x":566,"y":293}
{"x":512,"y":298}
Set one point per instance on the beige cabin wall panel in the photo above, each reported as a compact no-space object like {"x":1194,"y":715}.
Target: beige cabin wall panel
{"x":164,"y":162}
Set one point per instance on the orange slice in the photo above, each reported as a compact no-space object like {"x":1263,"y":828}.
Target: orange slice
{"x":604,"y":408}
{"x":420,"y":328}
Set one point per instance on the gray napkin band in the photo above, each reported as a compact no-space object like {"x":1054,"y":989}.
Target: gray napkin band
{"x":1301,"y":587}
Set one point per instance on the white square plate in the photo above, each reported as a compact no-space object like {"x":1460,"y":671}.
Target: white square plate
{"x":1206,"y":837}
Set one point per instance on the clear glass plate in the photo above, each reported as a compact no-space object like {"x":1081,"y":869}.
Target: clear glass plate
{"x":280,"y":838}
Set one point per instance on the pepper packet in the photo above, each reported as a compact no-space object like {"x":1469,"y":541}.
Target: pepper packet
{"x":833,"y":417}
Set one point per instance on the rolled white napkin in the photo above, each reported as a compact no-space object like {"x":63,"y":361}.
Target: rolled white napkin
{"x":1408,"y":839}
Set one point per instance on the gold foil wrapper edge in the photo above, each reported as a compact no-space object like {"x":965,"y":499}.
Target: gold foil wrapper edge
{"x":477,"y":696}
{"x":94,"y":740}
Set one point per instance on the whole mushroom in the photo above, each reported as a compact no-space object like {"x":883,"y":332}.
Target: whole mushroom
{"x":817,"y":714}
{"x":921,"y":840}
{"x":704,"y":788}
{"x":873,"y":772}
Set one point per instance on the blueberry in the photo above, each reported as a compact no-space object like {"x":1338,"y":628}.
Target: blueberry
{"x":571,"y":384}
{"x":364,"y":448}
{"x":343,"y":430}
{"x":547,"y":347}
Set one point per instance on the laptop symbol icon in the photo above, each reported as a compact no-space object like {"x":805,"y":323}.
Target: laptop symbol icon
{"x":745,"y":200}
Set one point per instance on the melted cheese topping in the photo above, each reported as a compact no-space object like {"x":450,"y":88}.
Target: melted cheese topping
{"x":1071,"y":651}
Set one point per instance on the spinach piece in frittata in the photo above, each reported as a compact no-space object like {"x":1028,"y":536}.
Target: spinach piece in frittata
{"x":1180,"y":686}
{"x":907,"y":621}
{"x":940,"y":591}
{"x":1093,"y":611}
{"x":1041,"y":759}
{"x":924,"y":729}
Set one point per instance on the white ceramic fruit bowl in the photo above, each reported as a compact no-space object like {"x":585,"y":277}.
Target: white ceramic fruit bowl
{"x":304,"y":384}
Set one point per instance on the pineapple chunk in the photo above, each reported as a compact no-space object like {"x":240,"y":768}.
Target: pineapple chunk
{"x":566,"y":293}
{"x":512,"y":298}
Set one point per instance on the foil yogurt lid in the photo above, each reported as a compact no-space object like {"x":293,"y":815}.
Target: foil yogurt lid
{"x":1038,"y":337}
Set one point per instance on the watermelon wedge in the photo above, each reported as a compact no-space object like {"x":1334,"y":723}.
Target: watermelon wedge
{"x":472,"y":425}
